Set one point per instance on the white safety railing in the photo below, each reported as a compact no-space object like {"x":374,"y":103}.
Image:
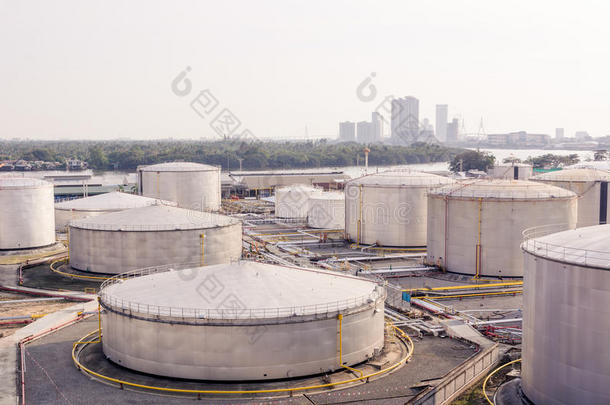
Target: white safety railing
{"x":580,"y":256}
{"x":236,"y":309}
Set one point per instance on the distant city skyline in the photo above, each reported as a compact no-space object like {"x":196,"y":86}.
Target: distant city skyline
{"x":74,"y":70}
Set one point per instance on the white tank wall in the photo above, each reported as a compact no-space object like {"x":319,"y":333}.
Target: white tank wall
{"x":588,"y":201}
{"x":326,"y":212}
{"x":293,"y":202}
{"x":391,"y":215}
{"x":114,"y":252}
{"x":196,"y":190}
{"x":26,"y":216}
{"x":232,"y":352}
{"x":566,"y":330}
{"x":502,"y":224}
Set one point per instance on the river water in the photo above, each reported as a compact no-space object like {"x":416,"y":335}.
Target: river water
{"x":119,"y":177}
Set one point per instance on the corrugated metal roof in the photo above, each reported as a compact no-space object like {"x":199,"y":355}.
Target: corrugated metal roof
{"x":246,"y":286}
{"x":402,"y":178}
{"x":179,"y":167}
{"x":502,"y":189}
{"x":154,"y":218}
{"x":9,"y":183}
{"x":110,"y":201}
{"x":583,"y":175}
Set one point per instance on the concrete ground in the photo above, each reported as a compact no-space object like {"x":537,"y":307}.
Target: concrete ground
{"x":51,"y":377}
{"x":42,"y":277}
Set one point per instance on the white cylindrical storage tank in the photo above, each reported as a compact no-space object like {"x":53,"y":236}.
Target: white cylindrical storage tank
{"x":152,"y":236}
{"x":512,"y":171}
{"x":566,"y":317}
{"x":326,"y":210}
{"x":67,"y":211}
{"x":590,"y":185}
{"x":191,"y":185}
{"x":26,"y":213}
{"x":241,"y":321}
{"x":293,"y":201}
{"x":389,"y":208}
{"x":475,"y":228}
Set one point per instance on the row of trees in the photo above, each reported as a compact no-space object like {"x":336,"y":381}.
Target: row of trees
{"x":127,"y":155}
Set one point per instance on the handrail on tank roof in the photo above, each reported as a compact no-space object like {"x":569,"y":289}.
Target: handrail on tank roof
{"x":224,"y":313}
{"x":576,"y":256}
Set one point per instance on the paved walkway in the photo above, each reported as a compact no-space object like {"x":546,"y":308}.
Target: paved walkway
{"x":9,"y":362}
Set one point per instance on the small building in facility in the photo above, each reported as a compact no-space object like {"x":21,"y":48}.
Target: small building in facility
{"x":151,"y":236}
{"x":475,"y":227}
{"x":240,"y":321}
{"x":511,"y":171}
{"x":26,"y":213}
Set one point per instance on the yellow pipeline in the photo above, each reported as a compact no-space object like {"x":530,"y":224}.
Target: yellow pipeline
{"x":491,"y":374}
{"x":340,"y":318}
{"x":53,"y":269}
{"x":409,"y":342}
{"x":478,"y":248}
{"x":468,"y":286}
{"x":99,"y":328}
{"x":481,"y":294}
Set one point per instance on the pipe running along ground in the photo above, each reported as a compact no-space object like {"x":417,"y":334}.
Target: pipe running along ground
{"x":80,"y":366}
{"x":491,"y":374}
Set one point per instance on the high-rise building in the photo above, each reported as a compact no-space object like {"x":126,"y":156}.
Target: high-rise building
{"x":364,"y":131}
{"x":376,"y":127}
{"x":559,"y":134}
{"x":405,"y":118}
{"x":441,"y":122}
{"x":347,"y":131}
{"x":452,"y":130}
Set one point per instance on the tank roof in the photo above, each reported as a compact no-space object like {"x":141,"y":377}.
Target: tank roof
{"x":13,"y":183}
{"x":588,"y":246}
{"x":580,"y":174}
{"x":402,"y":178}
{"x":328,"y":195}
{"x":179,"y":167}
{"x":110,"y":201}
{"x":244,"y":289}
{"x":299,"y":187}
{"x":502,"y":189}
{"x":154,"y":218}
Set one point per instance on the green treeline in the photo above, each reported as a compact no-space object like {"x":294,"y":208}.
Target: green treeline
{"x":127,"y":155}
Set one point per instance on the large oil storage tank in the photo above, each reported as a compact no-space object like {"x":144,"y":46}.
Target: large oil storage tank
{"x":151,"y":236}
{"x":590,"y":185}
{"x":389,"y":208}
{"x":566,"y":317}
{"x":191,"y":185}
{"x":293,"y":201}
{"x":26,"y":213}
{"x":241,"y":321}
{"x":67,"y":211}
{"x":475,"y":227}
{"x":326,"y":210}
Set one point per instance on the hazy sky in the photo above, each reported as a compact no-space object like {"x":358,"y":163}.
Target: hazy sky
{"x":103,"y":69}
